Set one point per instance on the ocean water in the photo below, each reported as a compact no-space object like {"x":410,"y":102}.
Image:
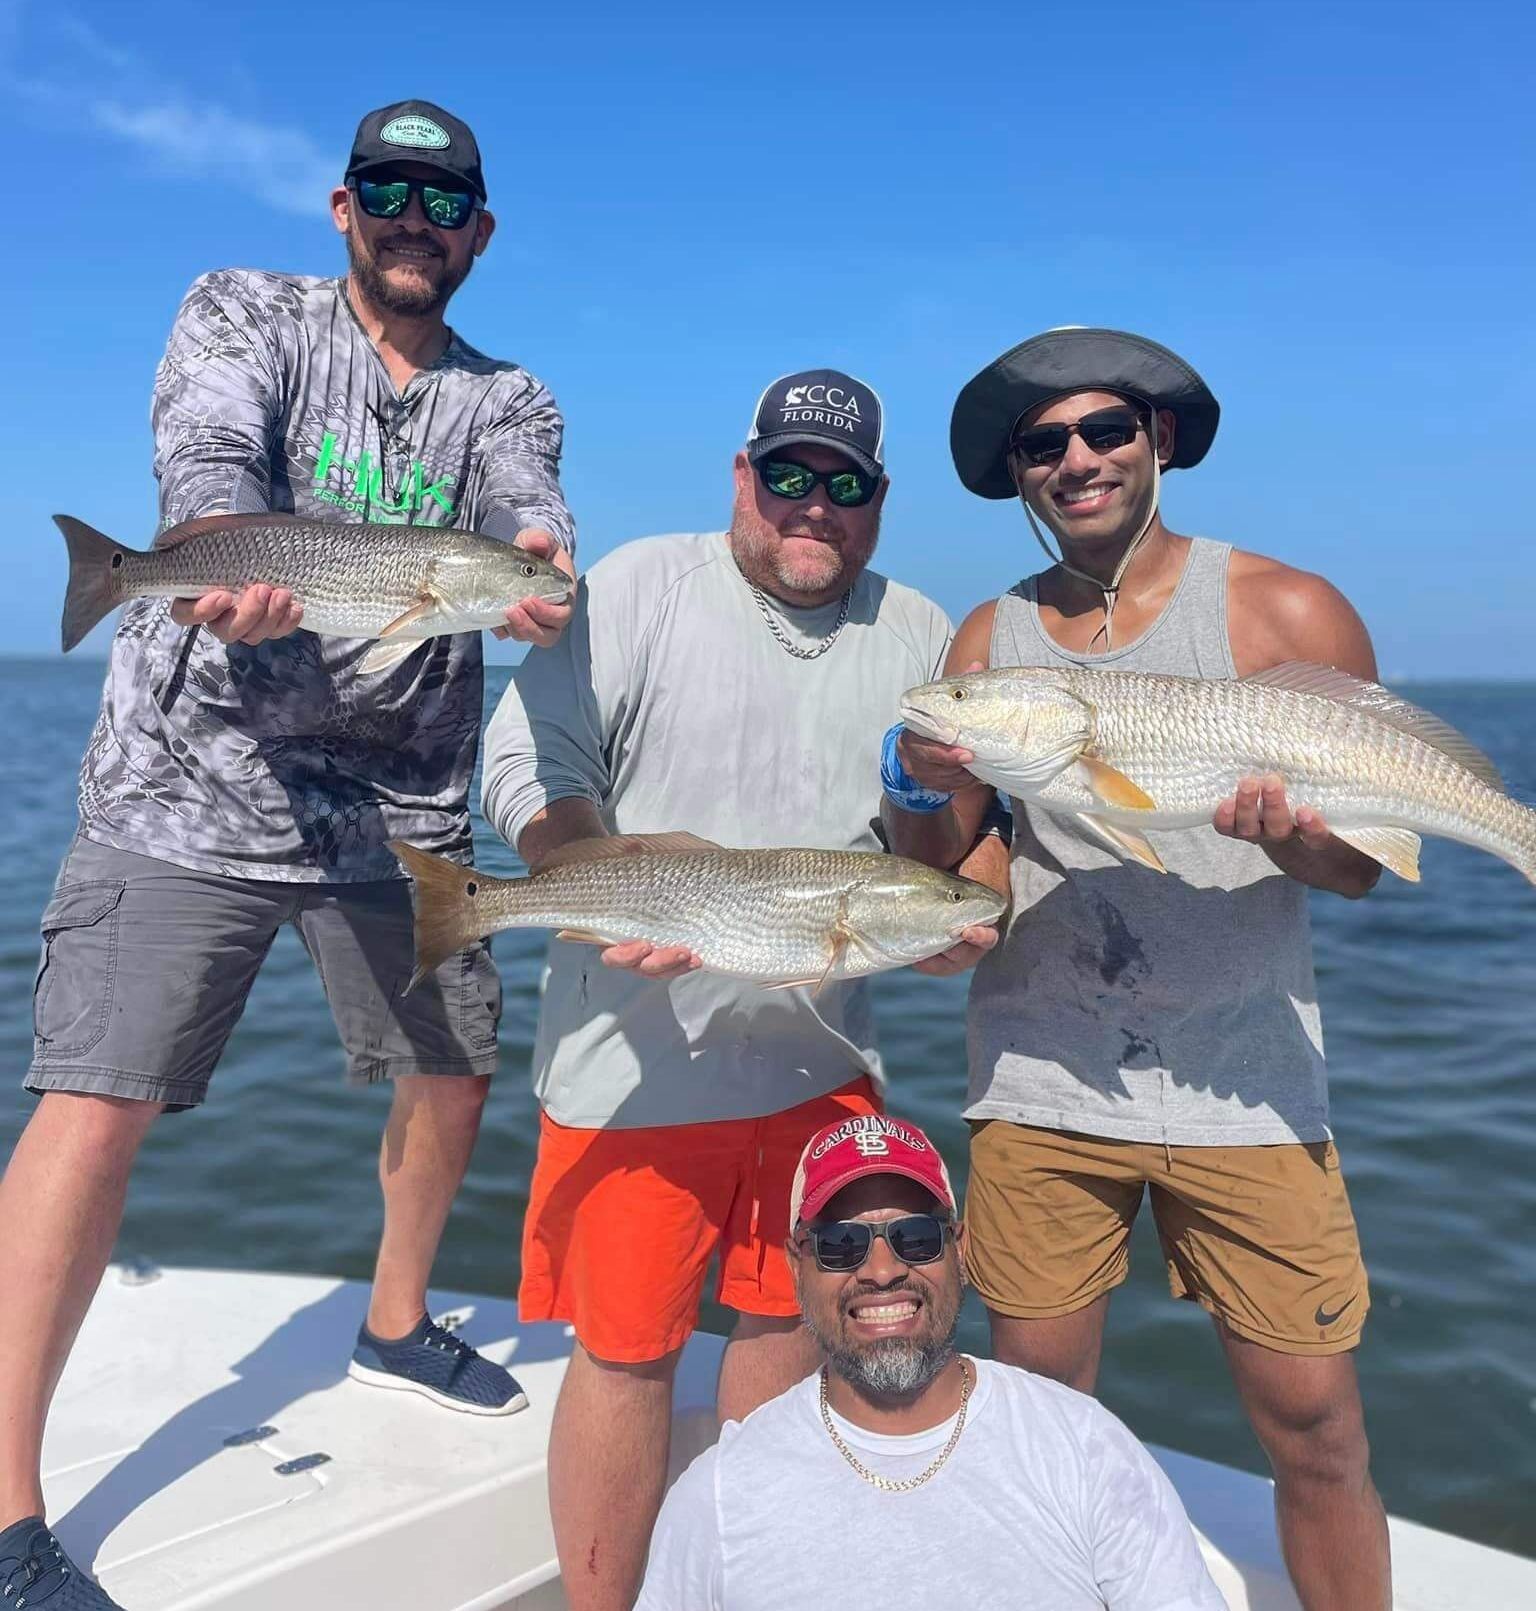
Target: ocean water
{"x":1428,"y":995}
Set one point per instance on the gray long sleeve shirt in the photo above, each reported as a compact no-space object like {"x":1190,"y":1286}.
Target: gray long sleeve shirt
{"x":281,"y":761}
{"x":670,"y":705}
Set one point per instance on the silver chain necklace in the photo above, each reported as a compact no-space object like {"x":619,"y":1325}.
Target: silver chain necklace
{"x":778,"y":631}
{"x":873,"y":1478}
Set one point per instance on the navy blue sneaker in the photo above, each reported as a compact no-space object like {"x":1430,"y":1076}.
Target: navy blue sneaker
{"x":433,"y":1362}
{"x":35,"y":1572}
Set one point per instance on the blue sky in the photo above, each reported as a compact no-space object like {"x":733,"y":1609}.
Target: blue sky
{"x":1327,"y":208}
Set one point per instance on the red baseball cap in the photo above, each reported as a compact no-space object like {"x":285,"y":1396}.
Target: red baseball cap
{"x":867,"y":1144}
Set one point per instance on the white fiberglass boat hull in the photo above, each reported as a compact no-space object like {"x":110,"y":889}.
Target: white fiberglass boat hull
{"x":180,"y":1466}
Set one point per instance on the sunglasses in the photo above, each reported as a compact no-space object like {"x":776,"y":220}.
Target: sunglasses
{"x":1103,"y":431}
{"x":848,"y":489}
{"x":843,"y":1245}
{"x":388,"y":198}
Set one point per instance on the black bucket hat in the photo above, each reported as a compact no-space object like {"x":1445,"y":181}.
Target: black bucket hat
{"x":1073,"y":359}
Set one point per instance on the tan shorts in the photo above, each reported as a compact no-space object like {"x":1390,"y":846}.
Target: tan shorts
{"x":1261,"y":1237}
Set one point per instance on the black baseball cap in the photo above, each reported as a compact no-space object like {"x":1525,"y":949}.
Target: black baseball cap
{"x":417,"y":131}
{"x":1075,"y":358}
{"x":822,"y":406}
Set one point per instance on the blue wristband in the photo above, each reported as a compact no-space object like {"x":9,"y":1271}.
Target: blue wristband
{"x":901,"y":788}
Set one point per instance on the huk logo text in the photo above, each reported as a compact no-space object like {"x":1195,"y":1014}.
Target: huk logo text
{"x":368,"y":494}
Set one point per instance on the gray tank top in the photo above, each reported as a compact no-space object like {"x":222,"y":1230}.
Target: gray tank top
{"x":1123,"y":1003}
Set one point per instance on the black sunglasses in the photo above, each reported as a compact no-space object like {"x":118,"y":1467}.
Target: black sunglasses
{"x":388,"y":198}
{"x":1103,"y":431}
{"x":848,"y":489}
{"x":844,"y":1244}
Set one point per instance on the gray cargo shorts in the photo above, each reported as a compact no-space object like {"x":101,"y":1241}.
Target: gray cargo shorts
{"x":146,"y":966}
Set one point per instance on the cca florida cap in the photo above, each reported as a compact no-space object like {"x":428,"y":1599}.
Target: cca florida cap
{"x":822,"y":406}
{"x":417,"y":131}
{"x":1074,"y":359}
{"x":866,"y":1144}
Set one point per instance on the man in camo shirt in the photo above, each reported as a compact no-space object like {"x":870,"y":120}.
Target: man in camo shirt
{"x":244,"y":774}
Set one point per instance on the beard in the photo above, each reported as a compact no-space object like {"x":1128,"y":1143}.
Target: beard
{"x":891,"y":1367}
{"x":416,"y":298}
{"x":761,"y":558}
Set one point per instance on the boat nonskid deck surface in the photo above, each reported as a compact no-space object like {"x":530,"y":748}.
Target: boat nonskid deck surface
{"x":207,"y":1452}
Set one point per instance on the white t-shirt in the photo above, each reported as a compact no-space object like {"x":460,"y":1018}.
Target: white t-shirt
{"x":1046,"y":1502}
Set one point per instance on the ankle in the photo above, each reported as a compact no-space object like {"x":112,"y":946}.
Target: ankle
{"x":391,"y":1322}
{"x":19,"y":1505}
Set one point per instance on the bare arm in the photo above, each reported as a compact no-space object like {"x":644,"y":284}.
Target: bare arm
{"x":1280,"y":614}
{"x":560,"y":823}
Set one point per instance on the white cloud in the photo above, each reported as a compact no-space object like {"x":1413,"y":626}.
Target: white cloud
{"x":277,"y":162}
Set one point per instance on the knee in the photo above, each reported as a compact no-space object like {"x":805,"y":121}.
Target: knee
{"x":1317,"y":1445}
{"x":624,"y":1377}
{"x":750,"y":1327}
{"x":107,"y":1126}
{"x":462,"y":1095}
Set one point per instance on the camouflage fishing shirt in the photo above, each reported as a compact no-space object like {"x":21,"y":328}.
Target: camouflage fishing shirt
{"x":282,"y":761}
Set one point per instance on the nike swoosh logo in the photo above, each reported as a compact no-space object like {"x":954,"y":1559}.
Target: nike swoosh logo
{"x":1323,"y":1318}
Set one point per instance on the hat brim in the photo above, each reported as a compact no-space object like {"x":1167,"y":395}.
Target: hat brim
{"x":812,"y":1206}
{"x":1077,"y":360}
{"x":423,"y":159}
{"x":764,"y":445}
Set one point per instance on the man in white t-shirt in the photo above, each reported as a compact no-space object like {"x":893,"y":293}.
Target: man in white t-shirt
{"x":904,"y":1474}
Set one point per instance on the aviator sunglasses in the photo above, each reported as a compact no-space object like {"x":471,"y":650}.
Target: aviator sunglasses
{"x":843,"y":1245}
{"x":388,"y":198}
{"x":1103,"y":431}
{"x":848,"y":489}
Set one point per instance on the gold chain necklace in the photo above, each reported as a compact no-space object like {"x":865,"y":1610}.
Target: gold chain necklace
{"x":873,"y":1478}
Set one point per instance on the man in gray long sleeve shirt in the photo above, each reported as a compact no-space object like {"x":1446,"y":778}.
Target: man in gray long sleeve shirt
{"x":244,"y":774}
{"x":735,"y":685}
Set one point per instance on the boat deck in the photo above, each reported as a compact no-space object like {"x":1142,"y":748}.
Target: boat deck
{"x":207,"y":1450}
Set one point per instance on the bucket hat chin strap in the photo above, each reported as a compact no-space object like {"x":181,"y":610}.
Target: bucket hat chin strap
{"x":1112,"y":591}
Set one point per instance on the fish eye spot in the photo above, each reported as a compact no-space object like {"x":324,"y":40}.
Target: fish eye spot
{"x":117,"y":561}
{"x":957,"y":895}
{"x":528,"y":570}
{"x":471,"y":887}
{"x":957,"y":693}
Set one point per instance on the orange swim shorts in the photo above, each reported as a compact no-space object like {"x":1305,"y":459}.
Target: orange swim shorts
{"x":622,"y":1224}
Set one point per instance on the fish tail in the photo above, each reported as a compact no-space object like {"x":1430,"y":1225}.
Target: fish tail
{"x":95,"y":578}
{"x":447,"y":918}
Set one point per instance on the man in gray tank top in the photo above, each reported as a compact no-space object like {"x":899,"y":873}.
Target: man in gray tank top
{"x":1137,"y":1033}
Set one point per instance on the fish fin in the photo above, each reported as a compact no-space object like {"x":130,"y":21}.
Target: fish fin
{"x":446,"y":918}
{"x":94,"y":565}
{"x":842,"y":937}
{"x":583,"y":937}
{"x":1124,"y":841}
{"x":1305,"y":677}
{"x":387,"y":654}
{"x":790,"y":984}
{"x":1114,"y":788}
{"x":624,"y":844}
{"x":423,"y":607}
{"x":1025,"y":777}
{"x":1397,"y":849}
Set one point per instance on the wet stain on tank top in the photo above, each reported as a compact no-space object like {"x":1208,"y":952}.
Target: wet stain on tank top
{"x":1139,"y":1047}
{"x":1121,"y":959}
